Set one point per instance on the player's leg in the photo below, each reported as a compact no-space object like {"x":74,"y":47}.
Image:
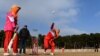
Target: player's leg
{"x":15,"y":45}
{"x":46,"y":45}
{"x":20,"y":46}
{"x":8,"y":35}
{"x":24,"y":46}
{"x":35,"y":48}
{"x":52,"y":47}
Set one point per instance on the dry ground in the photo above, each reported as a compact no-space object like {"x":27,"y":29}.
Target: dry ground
{"x":64,"y":54}
{"x":70,"y":52}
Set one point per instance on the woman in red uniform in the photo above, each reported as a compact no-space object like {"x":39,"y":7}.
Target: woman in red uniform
{"x":10,"y":25}
{"x":49,"y":39}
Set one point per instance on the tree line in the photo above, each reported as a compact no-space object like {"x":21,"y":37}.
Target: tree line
{"x":68,"y":41}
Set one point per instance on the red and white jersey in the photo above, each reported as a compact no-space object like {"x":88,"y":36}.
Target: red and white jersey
{"x":50,"y":35}
{"x":10,"y":23}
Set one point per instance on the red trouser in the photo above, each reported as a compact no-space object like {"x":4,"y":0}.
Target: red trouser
{"x":49,"y":42}
{"x":8,"y":36}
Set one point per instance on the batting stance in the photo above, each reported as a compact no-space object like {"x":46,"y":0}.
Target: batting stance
{"x":10,"y":25}
{"x":49,"y":39}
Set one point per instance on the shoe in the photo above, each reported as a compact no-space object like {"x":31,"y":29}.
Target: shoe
{"x":6,"y":54}
{"x":44,"y":52}
{"x":52,"y":54}
{"x":15,"y":54}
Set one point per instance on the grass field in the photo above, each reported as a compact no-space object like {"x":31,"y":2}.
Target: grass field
{"x":58,"y":53}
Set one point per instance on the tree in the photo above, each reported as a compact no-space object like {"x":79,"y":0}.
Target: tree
{"x":2,"y":34}
{"x":41,"y":40}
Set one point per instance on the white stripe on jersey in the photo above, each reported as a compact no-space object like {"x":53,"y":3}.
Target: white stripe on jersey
{"x":53,"y":34}
{"x":11,"y":18}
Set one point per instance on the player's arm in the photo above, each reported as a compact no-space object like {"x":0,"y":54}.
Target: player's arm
{"x":57,"y":31}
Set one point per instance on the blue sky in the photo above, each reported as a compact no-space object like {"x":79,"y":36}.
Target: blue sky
{"x":70,"y":16}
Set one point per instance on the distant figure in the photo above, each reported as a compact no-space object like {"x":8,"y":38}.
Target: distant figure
{"x":23,"y":35}
{"x":63,"y":46}
{"x":96,"y":47}
{"x":9,"y":28}
{"x":34,"y":45}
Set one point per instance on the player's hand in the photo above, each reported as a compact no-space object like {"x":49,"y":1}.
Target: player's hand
{"x":16,"y":28}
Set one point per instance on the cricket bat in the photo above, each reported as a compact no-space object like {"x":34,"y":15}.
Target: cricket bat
{"x":11,"y":41}
{"x":52,"y":25}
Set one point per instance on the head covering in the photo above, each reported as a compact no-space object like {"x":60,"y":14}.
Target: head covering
{"x":15,"y":6}
{"x":15,"y":9}
{"x":25,"y":26}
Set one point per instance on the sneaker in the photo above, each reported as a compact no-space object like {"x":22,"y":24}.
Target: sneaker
{"x":52,"y":54}
{"x":6,"y":54}
{"x":44,"y":52}
{"x":15,"y":54}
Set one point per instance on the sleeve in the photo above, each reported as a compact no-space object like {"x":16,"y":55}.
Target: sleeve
{"x":20,"y":32}
{"x":28,"y":33}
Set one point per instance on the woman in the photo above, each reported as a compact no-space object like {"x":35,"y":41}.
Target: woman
{"x":10,"y":25}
